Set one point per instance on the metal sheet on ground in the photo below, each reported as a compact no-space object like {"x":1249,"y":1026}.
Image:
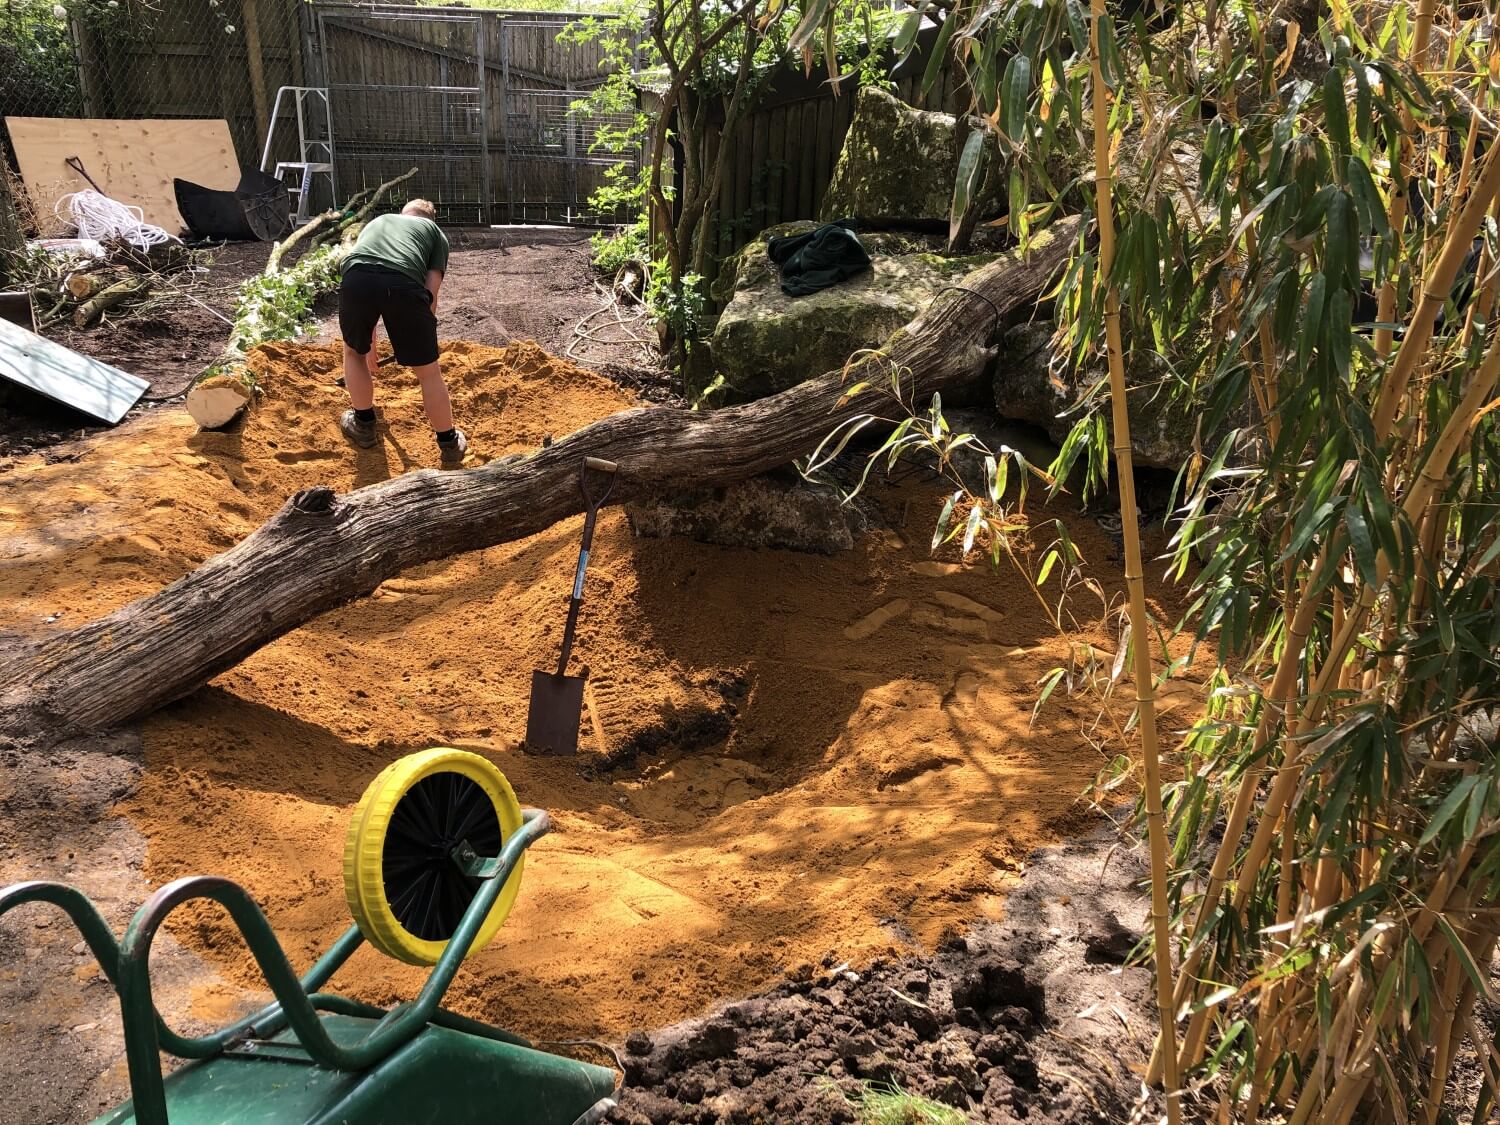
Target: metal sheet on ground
{"x":131,"y":161}
{"x":61,"y":374}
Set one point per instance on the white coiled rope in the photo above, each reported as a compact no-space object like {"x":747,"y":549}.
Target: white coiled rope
{"x":99,"y":217}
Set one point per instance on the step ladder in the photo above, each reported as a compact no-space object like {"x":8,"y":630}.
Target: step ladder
{"x":314,"y":145}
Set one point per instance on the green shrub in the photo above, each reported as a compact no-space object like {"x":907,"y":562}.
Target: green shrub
{"x":613,"y":248}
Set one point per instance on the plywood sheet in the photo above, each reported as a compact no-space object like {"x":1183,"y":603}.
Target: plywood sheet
{"x":132,"y":161}
{"x":95,"y":388}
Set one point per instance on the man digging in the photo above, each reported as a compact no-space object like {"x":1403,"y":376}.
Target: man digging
{"x":393,"y":274}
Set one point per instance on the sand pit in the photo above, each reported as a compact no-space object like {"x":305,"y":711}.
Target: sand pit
{"x":813,"y":754}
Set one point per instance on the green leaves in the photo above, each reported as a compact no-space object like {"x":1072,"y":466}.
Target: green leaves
{"x":971,"y":166}
{"x":814,"y":15}
{"x":1015,"y":93}
{"x":906,"y":38}
{"x":938,"y":58}
{"x":1336,"y":114}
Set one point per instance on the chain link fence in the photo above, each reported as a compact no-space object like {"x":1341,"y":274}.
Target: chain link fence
{"x":147,"y":59}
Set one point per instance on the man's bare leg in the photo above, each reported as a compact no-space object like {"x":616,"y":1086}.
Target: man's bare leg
{"x":435,"y":397}
{"x":358,"y":380}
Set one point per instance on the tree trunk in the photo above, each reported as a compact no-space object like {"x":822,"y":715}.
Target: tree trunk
{"x":321,"y":550}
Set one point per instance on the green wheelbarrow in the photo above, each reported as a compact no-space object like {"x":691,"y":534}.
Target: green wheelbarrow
{"x":432,"y":864}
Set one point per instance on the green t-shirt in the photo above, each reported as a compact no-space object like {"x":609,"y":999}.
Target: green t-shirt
{"x":408,"y":244}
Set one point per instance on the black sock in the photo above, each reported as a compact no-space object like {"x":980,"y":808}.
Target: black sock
{"x":367,"y":417}
{"x":447,"y":437}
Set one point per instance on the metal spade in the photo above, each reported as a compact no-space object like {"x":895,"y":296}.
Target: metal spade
{"x":556,"y":697}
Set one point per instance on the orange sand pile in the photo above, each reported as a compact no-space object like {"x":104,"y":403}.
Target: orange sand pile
{"x":879,"y":782}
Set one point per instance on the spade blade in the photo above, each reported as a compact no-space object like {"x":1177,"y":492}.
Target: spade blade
{"x":556,"y":708}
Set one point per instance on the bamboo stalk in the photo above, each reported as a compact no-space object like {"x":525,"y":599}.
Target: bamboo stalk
{"x":1277,"y":700}
{"x":1436,"y":287}
{"x":1134,"y":574}
{"x":1386,"y":314}
{"x":1290,"y":774}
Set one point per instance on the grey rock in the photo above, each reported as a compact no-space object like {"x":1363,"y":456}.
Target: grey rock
{"x":899,"y":165}
{"x":765,"y":341}
{"x":761,"y":512}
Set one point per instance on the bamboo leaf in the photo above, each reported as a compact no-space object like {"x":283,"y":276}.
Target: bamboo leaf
{"x":1049,"y":685}
{"x":1048,"y":562}
{"x":1110,"y":65}
{"x":1336,"y":113}
{"x":906,"y":39}
{"x":1016,"y":92}
{"x":1363,"y":543}
{"x":971,"y":529}
{"x":1340,"y":330}
{"x":1077,"y":27}
{"x":1312,"y":320}
{"x":1340,"y":240}
{"x":1256,"y":212}
{"x":1363,"y":124}
{"x":970,"y":170}
{"x":939,"y":51}
{"x":1371,"y":207}
{"x":813,"y":18}
{"x":1478,"y":797}
{"x":943,"y":519}
{"x":1465,"y":957}
{"x":1456,"y":797}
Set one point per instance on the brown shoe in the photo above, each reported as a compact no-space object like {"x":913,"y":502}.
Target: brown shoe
{"x":359,"y":433}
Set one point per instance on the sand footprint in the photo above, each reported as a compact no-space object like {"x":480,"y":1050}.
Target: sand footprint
{"x":872,"y":622}
{"x":965,"y":690}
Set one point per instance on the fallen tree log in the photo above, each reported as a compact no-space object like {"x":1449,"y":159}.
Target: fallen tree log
{"x":322,"y":550}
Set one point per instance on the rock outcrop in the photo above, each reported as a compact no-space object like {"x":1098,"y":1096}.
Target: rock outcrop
{"x":898,"y":166}
{"x":765,"y":341}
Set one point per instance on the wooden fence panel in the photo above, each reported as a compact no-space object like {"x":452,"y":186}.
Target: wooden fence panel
{"x":190,"y":66}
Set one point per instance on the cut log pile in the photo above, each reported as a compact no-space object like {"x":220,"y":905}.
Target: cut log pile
{"x":81,"y":289}
{"x":160,"y":648}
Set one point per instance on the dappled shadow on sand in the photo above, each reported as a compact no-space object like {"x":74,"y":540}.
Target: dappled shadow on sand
{"x":865,"y":789}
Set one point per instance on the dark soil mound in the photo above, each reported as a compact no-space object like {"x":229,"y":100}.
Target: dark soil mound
{"x":1042,"y":1025}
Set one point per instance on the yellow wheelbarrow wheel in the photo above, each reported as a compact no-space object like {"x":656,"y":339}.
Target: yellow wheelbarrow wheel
{"x":403,"y":888}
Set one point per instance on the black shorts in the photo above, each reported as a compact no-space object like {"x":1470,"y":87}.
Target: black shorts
{"x":371,"y":293}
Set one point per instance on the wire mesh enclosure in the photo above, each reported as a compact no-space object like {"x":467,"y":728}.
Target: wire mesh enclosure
{"x":480,"y":101}
{"x":407,"y":91}
{"x":553,"y":159}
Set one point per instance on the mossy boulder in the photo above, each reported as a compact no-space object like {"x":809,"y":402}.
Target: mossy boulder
{"x":765,"y":341}
{"x":899,"y":164}
{"x":1032,"y":385}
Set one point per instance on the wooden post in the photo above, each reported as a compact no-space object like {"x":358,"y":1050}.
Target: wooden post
{"x":87,"y":57}
{"x":255,"y":63}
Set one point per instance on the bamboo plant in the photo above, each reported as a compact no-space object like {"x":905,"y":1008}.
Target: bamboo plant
{"x":1298,"y":222}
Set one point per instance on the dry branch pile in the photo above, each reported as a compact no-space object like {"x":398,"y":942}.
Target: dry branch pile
{"x":85,"y":290}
